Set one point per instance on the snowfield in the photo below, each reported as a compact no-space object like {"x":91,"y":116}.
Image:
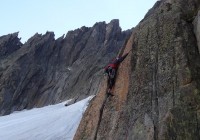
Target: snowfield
{"x":53,"y":122}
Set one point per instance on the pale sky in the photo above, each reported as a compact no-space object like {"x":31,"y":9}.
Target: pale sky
{"x":60,"y":16}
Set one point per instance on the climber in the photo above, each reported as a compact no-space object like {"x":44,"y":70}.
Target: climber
{"x":111,"y":70}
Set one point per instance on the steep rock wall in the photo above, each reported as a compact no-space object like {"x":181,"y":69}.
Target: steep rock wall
{"x":104,"y":111}
{"x":157,"y":94}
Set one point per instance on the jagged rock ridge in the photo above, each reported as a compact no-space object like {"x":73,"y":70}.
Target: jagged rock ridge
{"x":45,"y":71}
{"x":157,"y":90}
{"x":9,"y":44}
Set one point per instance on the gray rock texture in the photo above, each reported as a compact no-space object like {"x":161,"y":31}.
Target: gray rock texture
{"x":9,"y":44}
{"x":196,"y":23}
{"x":157,"y":89}
{"x":46,"y":71}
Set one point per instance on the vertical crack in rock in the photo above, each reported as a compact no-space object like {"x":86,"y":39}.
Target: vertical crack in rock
{"x":155,"y":82}
{"x":100,"y":115}
{"x":92,"y":116}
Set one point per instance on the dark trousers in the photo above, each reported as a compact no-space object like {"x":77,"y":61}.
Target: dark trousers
{"x":111,"y":77}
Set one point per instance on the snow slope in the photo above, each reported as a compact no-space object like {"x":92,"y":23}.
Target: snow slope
{"x":54,"y":122}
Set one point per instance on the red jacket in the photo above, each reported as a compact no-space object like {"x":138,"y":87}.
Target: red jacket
{"x":112,"y":65}
{"x":115,"y":64}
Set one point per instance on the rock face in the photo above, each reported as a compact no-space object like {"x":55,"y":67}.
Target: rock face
{"x":157,"y":90}
{"x":9,"y":44}
{"x":45,"y":71}
{"x":197,"y":29}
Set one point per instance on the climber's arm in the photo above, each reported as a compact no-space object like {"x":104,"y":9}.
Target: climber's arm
{"x":122,"y":58}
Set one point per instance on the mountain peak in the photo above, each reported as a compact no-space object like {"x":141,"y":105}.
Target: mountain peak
{"x":45,"y":71}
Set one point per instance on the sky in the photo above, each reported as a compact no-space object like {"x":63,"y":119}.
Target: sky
{"x":61,"y":121}
{"x":38,"y":16}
